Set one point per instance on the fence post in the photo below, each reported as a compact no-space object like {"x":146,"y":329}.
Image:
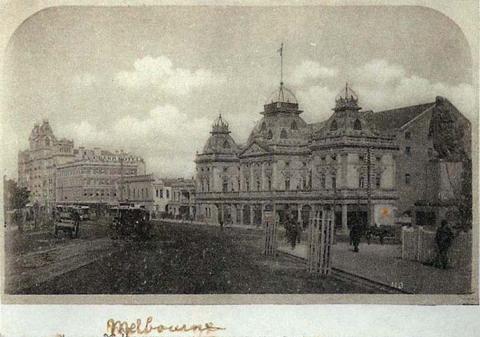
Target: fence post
{"x":320,"y":240}
{"x":270,"y":224}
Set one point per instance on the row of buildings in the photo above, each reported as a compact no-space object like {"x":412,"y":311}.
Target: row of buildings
{"x":370,"y":167}
{"x":56,"y":172}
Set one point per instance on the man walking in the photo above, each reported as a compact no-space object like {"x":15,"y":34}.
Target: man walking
{"x":443,"y":239}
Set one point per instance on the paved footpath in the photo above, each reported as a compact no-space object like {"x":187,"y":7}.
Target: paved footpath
{"x":383,"y":263}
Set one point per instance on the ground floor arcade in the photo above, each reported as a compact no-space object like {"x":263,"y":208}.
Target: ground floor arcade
{"x":252,"y":212}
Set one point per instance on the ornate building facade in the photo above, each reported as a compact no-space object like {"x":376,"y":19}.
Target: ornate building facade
{"x":92,"y":176}
{"x":293,"y":167}
{"x":37,"y":165}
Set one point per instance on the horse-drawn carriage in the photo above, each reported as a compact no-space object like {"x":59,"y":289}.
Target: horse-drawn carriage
{"x":67,"y":220}
{"x":130,"y":221}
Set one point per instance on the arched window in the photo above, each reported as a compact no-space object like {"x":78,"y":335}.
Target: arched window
{"x":334,"y":180}
{"x":323,"y":180}
{"x":294,"y":126}
{"x":263,"y":127}
{"x":357,"y":125}
{"x":333,"y":126}
{"x":361,"y":181}
{"x":270,"y":134}
{"x":283,"y":134}
{"x":226,"y":144}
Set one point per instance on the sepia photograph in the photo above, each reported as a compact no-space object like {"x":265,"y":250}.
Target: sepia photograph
{"x":224,"y":150}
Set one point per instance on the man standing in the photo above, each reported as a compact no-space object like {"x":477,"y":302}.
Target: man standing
{"x":443,"y":239}
{"x":355,"y":235}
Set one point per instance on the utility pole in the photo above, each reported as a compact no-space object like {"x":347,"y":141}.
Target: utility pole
{"x":121,"y":177}
{"x":369,"y":188}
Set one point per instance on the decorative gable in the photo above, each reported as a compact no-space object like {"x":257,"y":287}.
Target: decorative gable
{"x":254,"y":149}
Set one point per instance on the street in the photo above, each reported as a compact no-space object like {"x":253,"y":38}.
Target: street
{"x":179,"y":259}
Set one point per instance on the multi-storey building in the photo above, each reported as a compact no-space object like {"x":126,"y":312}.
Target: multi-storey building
{"x":146,"y":191}
{"x":91,"y":178}
{"x":293,"y":167}
{"x":37,"y":165}
{"x":367,"y":166}
{"x":182,"y":204}
{"x":414,"y":134}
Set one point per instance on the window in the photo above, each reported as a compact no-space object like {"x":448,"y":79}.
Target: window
{"x":269,"y":183}
{"x":333,"y":126}
{"x":361,"y":181}
{"x":361,"y":158}
{"x":270,"y":134}
{"x":408,"y":135}
{"x":287,"y":184}
{"x":334,"y":181}
{"x":258,"y":185}
{"x":225,"y":185}
{"x":322,"y":181}
{"x":283,"y":134}
{"x":357,"y":125}
{"x":167,"y":193}
{"x":408,"y":151}
{"x":378,"y":180}
{"x":294,"y":126}
{"x":156,"y":192}
{"x":263,"y":127}
{"x":287,"y":164}
{"x":226,"y":144}
{"x":407,"y":179}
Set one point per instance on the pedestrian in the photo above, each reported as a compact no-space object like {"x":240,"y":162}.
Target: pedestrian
{"x":443,"y":238}
{"x":291,"y":231}
{"x":355,"y":236}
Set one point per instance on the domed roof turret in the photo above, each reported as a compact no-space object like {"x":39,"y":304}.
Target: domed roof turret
{"x":219,"y":125}
{"x":347,"y":99}
{"x":220,"y":141}
{"x":283,"y":95}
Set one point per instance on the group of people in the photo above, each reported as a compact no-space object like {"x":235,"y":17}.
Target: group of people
{"x":443,"y":237}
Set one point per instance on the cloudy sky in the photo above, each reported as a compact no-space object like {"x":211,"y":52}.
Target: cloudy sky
{"x":150,"y":80}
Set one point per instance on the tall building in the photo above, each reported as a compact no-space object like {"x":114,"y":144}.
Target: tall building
{"x":293,"y":167}
{"x":37,"y":165}
{"x":92,"y":176}
{"x":53,"y":170}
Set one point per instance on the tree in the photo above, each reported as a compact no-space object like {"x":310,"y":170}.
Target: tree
{"x":465,"y":199}
{"x":19,"y":196}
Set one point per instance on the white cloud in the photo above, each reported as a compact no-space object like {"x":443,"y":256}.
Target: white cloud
{"x":381,"y":85}
{"x":317,"y":102}
{"x":166,"y":138}
{"x":160,"y":74}
{"x":311,"y":70}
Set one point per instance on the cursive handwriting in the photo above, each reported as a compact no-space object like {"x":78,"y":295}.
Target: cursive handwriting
{"x":124,"y":328}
